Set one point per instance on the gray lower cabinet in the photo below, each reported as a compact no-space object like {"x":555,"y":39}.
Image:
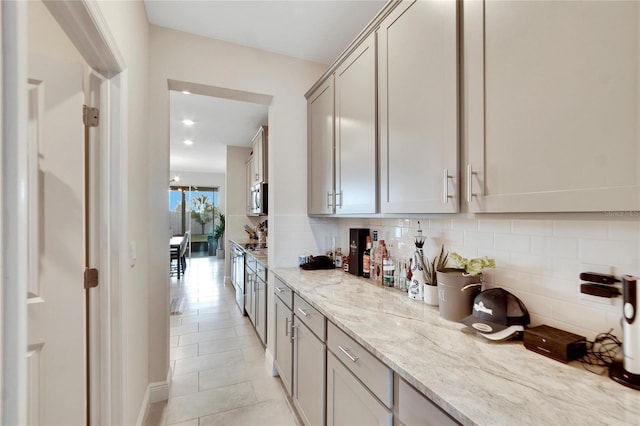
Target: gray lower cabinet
{"x":349,"y":402}
{"x":309,"y":354}
{"x":413,"y":408}
{"x":255,"y":295}
{"x":284,"y":345}
{"x":260,"y":294}
{"x":309,"y":358}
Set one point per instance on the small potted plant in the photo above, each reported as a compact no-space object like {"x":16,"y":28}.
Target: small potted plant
{"x":459,"y":286}
{"x":431,"y":278}
{"x":218,"y":235}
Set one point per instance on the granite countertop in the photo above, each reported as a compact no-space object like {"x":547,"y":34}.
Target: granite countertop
{"x":476,"y":381}
{"x":258,"y":251}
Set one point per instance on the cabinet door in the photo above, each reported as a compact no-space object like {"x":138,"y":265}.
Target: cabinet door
{"x":349,"y":402}
{"x":355,"y":121}
{"x":309,"y":356}
{"x":320,"y":199}
{"x":418,"y":108}
{"x":284,"y":344}
{"x":261,"y":309}
{"x":552,"y":91}
{"x":249,"y":294}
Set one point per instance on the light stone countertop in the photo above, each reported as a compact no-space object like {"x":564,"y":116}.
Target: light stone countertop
{"x":476,"y":381}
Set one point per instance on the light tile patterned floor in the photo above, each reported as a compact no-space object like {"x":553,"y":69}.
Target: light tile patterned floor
{"x":218,"y":369}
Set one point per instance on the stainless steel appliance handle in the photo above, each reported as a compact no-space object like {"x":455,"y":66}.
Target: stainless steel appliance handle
{"x":346,"y":352}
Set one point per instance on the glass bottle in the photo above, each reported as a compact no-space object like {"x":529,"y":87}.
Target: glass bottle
{"x":366,"y":260}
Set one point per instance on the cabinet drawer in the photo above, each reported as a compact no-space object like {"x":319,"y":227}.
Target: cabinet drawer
{"x":349,"y":402}
{"x":416,"y":409}
{"x":310,"y":316}
{"x":283,"y":291}
{"x":369,"y":369}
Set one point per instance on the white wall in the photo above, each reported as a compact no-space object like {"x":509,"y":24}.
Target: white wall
{"x":146,"y":354}
{"x":538,"y":258}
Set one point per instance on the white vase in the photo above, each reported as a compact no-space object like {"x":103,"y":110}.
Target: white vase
{"x":431,"y":295}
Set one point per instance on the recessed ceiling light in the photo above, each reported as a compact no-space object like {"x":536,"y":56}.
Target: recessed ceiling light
{"x":187,"y":122}
{"x":188,"y":142}
{"x":186,"y":92}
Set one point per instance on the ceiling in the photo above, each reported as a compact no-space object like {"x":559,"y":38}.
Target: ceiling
{"x":313,"y":30}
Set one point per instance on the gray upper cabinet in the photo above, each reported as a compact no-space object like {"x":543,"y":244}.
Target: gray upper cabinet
{"x":320,"y":127}
{"x":551,"y":106}
{"x":260,"y":151}
{"x":418,"y":108}
{"x":355,"y":121}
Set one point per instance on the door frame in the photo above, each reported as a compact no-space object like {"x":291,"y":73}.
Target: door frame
{"x":86,"y":27}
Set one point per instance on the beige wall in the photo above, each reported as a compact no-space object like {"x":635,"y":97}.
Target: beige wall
{"x":129,"y":26}
{"x":187,"y":58}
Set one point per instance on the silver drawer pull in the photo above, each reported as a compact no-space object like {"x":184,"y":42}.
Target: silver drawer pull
{"x":286,"y":326}
{"x":293,"y":336}
{"x":346,"y":352}
{"x":279,"y":290}
{"x":303,"y":312}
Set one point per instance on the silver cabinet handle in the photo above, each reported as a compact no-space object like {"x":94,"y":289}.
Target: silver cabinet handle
{"x":329,"y":196}
{"x":286,"y":326}
{"x":346,"y":352}
{"x":279,"y":290}
{"x":303,"y":312}
{"x":293,"y":337}
{"x":446,"y":195}
{"x":338,"y":204}
{"x":470,"y":174}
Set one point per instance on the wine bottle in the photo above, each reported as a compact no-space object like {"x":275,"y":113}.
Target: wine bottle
{"x":366,"y":260}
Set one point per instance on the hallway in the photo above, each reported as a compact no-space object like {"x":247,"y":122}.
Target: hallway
{"x":217,"y":362}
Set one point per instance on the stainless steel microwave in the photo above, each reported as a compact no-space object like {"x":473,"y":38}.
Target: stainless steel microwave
{"x":259,"y":200}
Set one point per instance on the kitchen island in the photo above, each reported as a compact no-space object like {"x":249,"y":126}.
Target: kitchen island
{"x":475,"y":381}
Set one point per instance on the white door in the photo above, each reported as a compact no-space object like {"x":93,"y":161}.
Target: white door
{"x":56,"y":310}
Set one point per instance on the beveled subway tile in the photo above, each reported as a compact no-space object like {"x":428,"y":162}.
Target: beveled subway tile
{"x":173,"y":341}
{"x":209,"y":402}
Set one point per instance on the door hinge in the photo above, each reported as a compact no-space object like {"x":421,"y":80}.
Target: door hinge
{"x":90,"y":116}
{"x":90,"y":278}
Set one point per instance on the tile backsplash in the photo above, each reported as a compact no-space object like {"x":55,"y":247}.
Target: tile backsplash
{"x":539,"y":260}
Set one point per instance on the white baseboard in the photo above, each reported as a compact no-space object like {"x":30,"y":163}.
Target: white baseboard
{"x":269,"y":363}
{"x":156,"y":392}
{"x":144,"y":409}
